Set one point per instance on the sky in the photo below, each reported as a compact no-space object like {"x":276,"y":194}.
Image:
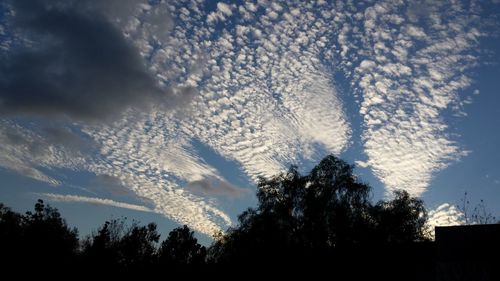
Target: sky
{"x":170,"y":111}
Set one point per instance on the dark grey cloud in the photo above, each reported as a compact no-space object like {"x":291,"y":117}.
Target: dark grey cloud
{"x":73,"y":61}
{"x":115,"y":10}
{"x":112,"y":187}
{"x":70,"y":138}
{"x":215,"y":187}
{"x":422,"y":9}
{"x":109,"y":185}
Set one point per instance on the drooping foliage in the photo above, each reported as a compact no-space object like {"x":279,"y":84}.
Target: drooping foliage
{"x":319,"y":213}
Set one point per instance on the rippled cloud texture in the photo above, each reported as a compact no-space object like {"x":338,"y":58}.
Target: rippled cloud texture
{"x":257,"y":82}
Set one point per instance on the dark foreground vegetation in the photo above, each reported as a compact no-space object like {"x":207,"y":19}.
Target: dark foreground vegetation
{"x":315,"y":224}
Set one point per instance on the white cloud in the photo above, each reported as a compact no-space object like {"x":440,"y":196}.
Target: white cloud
{"x":445,"y":215}
{"x":93,"y":200}
{"x":250,"y":6}
{"x":407,"y":86}
{"x":258,"y":104}
{"x":150,"y":161}
{"x":223,"y":11}
{"x":224,"y":8}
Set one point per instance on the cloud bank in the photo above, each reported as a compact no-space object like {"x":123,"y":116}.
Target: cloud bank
{"x":78,"y":64}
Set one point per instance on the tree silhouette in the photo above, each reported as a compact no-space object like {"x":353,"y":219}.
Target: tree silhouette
{"x":39,"y":240}
{"x":323,"y":222}
{"x":11,"y":233}
{"x":324,"y":215}
{"x":10,"y":225}
{"x":335,"y":206}
{"x":181,"y":248}
{"x":138,"y":246}
{"x":102,"y":249}
{"x":47,"y":239}
{"x":117,"y":247}
{"x":401,"y":220}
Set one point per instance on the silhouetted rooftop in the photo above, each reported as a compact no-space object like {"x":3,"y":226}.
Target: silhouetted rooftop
{"x":468,"y":252}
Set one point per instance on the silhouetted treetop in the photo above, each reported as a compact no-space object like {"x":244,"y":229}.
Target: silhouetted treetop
{"x":328,"y":208}
{"x":38,"y":239}
{"x":402,"y":219}
{"x":116,"y":245}
{"x":181,"y":248}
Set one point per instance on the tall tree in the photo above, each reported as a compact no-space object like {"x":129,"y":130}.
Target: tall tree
{"x":319,"y":213}
{"x":138,"y":246}
{"x":40,"y":240}
{"x":181,"y":248}
{"x":101,"y":250}
{"x":48,"y":239}
{"x":11,"y":232}
{"x":116,"y":246}
{"x":402,"y":219}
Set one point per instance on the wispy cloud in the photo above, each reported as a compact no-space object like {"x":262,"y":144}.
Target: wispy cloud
{"x":93,"y":200}
{"x":33,"y":151}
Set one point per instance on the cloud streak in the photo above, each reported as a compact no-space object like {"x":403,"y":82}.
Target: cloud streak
{"x":93,"y":200}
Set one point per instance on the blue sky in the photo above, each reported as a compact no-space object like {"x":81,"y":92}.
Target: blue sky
{"x":170,"y":111}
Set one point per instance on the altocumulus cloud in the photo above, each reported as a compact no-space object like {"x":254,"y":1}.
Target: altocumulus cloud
{"x":260,"y":77}
{"x":68,"y":59}
{"x":445,"y":215}
{"x":410,"y":61}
